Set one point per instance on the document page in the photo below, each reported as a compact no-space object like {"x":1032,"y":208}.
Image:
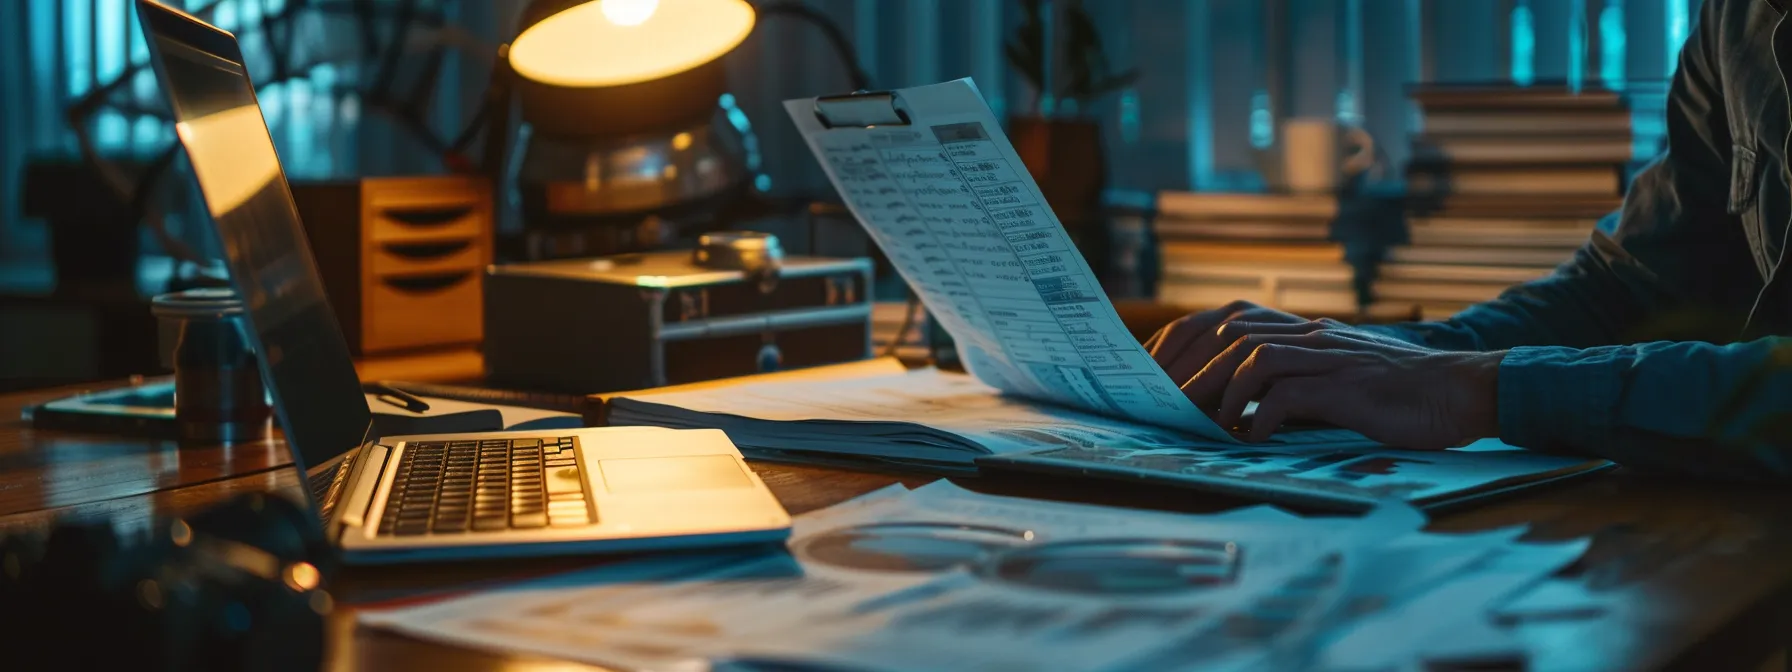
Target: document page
{"x":942,"y":578}
{"x":954,"y":403}
{"x":950,"y":203}
{"x":1363,"y":473}
{"x":937,"y":578}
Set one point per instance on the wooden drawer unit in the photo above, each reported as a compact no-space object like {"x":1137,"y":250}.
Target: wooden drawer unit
{"x":403,"y":258}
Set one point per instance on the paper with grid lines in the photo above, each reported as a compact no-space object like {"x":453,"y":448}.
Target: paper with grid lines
{"x":951,"y":204}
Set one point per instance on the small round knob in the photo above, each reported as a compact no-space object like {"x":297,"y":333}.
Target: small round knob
{"x":771,"y":358}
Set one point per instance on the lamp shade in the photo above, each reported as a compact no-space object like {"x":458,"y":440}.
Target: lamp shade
{"x":605,"y":43}
{"x":613,"y":68}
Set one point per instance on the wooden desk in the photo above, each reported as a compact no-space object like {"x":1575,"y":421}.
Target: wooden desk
{"x":1699,"y":576}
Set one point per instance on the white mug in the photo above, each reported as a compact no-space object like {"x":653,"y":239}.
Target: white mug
{"x":1310,"y":155}
{"x":1315,"y":152}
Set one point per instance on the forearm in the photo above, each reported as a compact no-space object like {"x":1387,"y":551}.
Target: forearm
{"x":1690,"y":407}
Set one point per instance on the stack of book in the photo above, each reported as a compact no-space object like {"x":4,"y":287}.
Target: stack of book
{"x":1267,"y":248}
{"x":1506,"y":183}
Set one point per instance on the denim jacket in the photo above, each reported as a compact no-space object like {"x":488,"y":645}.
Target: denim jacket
{"x":1655,"y":346}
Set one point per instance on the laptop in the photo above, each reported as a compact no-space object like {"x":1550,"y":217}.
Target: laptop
{"x":413,"y":498}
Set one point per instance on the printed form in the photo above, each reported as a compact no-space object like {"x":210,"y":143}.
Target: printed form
{"x":950,"y":203}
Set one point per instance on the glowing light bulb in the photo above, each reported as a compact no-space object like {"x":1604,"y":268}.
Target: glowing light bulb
{"x":629,"y":12}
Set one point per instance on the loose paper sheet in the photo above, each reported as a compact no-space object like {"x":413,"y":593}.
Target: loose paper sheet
{"x":937,"y":578}
{"x":1365,"y":473}
{"x":941,"y":578}
{"x":955,"y":403}
{"x":1436,"y":627}
{"x":950,"y":203}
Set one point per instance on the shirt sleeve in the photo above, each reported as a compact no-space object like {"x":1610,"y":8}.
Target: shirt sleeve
{"x":1687,"y":407}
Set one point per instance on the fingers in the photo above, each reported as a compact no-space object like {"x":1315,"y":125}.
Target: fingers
{"x":1204,"y":388}
{"x":1237,"y":329}
{"x":1212,"y":342}
{"x":1269,"y":365}
{"x":1170,"y":340}
{"x":1294,"y":398}
{"x":1167,"y":346}
{"x":1183,"y":330}
{"x":1226,"y":334}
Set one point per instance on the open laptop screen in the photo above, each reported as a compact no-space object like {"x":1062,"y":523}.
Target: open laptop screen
{"x":304,"y":359}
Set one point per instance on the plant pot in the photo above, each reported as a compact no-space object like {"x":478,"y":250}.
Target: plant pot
{"x":1065,"y":157}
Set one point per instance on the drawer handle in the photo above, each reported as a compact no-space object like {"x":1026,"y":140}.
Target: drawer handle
{"x":418,"y":284}
{"x":427,"y":250}
{"x":427,"y":215}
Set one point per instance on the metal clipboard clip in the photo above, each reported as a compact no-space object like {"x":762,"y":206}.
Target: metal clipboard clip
{"x":861,"y":109}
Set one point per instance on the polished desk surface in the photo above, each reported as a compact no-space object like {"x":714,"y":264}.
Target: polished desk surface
{"x":1696,"y":575}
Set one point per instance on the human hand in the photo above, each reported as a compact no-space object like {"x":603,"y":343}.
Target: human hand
{"x":1185,"y":346}
{"x":1391,"y":391}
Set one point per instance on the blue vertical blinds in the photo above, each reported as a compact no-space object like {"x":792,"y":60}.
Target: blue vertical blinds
{"x":1199,"y":117}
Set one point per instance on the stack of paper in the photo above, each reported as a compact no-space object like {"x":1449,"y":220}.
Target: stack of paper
{"x":923,"y":418}
{"x":941,"y":578}
{"x":1353,"y":478}
{"x":944,"y":422}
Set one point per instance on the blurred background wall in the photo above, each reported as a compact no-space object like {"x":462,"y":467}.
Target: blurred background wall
{"x":1217,"y":78}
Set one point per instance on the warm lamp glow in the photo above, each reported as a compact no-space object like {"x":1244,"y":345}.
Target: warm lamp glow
{"x":628,"y":12}
{"x":615,"y":42}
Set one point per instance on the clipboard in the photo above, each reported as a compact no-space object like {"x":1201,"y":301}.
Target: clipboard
{"x":871,"y":109}
{"x":861,"y":109}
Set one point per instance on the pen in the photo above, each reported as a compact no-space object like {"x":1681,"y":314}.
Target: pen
{"x":401,"y":399}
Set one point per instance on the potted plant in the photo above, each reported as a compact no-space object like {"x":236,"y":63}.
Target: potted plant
{"x":1060,"y":144}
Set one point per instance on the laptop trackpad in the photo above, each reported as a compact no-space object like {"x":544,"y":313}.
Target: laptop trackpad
{"x":658,"y":474}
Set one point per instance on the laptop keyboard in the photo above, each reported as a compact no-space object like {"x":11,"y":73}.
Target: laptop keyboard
{"x":455,"y":487}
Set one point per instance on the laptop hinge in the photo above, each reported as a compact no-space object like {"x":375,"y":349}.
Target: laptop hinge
{"x":324,"y":485}
{"x":359,"y":485}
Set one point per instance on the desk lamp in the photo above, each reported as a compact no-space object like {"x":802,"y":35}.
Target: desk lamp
{"x":626,"y":119}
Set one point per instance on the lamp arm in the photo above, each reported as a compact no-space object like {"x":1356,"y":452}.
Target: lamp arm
{"x":836,"y":37}
{"x":493,"y":117}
